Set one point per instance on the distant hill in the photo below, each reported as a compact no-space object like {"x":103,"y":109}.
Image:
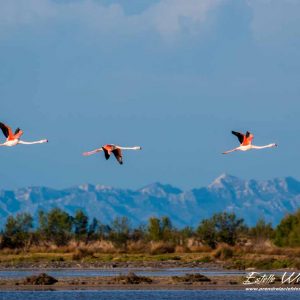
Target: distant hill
{"x":249,"y":199}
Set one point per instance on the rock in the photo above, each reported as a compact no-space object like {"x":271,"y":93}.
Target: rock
{"x":191,"y":278}
{"x":132,"y":278}
{"x":41,"y":279}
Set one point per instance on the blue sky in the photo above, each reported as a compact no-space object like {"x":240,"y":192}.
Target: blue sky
{"x":174,"y":76}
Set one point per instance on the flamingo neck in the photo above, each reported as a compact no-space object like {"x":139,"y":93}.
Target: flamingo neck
{"x":34,"y":142}
{"x":263,"y":147}
{"x":130,"y":148}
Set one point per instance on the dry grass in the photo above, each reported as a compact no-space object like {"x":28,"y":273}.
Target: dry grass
{"x":138,"y":247}
{"x":182,"y":249}
{"x":241,"y":256}
{"x":223,"y":252}
{"x":161,"y":248}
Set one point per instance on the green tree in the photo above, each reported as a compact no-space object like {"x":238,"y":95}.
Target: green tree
{"x":228,"y":227}
{"x":287,"y":233}
{"x":55,"y":226}
{"x":104,"y":231}
{"x":80,"y":222}
{"x":186,"y":232}
{"x":221,"y":228}
{"x":92,"y":230}
{"x":139,"y":233}
{"x":261,"y":231}
{"x":120,"y":231}
{"x":207,"y":232}
{"x":166,"y":228}
{"x":154,"y":229}
{"x":17,"y":231}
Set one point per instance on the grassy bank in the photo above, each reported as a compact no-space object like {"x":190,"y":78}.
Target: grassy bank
{"x":224,"y":256}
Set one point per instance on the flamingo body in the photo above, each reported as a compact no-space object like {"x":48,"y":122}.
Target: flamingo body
{"x":10,"y":143}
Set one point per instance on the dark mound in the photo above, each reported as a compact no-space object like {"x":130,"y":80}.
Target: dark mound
{"x":191,"y":278}
{"x":41,"y":279}
{"x":132,"y":278}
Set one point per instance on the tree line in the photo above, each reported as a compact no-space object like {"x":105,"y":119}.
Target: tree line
{"x":59,"y":228}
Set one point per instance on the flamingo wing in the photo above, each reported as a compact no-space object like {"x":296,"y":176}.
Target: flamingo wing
{"x":106,"y":153}
{"x":248,"y":139}
{"x":18,"y":133}
{"x":7,"y":131}
{"x":91,"y":152}
{"x":118,"y":154}
{"x":239,"y":135}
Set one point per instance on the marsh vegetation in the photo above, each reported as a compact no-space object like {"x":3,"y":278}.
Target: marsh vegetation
{"x":60,"y":239}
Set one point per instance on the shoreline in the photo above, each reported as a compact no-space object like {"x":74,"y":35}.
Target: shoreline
{"x":153,"y":272}
{"x":26,"y":264}
{"x":109,"y":283}
{"x":120,"y":282}
{"x":160,"y":284}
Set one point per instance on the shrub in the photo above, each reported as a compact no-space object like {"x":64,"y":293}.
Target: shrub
{"x":287,"y":232}
{"x":82,"y":253}
{"x":132,"y":278}
{"x":221,"y":228}
{"x":120,"y":232}
{"x":162,"y":248}
{"x":17,"y":231}
{"x":42,"y":279}
{"x":223,"y":253}
{"x":191,"y":278}
{"x":55,"y":226}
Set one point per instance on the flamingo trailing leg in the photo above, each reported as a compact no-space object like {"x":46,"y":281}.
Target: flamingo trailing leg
{"x":110,"y":148}
{"x":246,"y":142}
{"x":13,"y":139}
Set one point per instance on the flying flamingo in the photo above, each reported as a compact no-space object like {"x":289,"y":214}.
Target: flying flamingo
{"x":246,"y":142}
{"x":110,"y":148}
{"x":13,"y":139}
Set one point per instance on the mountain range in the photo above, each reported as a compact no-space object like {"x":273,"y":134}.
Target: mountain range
{"x":248,"y":199}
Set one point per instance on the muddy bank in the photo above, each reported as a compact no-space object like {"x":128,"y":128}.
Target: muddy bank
{"x":106,"y":265}
{"x":131,"y":281}
{"x":123,"y":282}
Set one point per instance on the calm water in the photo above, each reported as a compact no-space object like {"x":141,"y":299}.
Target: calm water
{"x":157,"y":295}
{"x":59,"y":273}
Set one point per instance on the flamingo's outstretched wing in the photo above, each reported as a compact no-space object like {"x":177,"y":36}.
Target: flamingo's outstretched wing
{"x":118,"y":154}
{"x":106,"y":153}
{"x":239,"y":135}
{"x":18,"y":133}
{"x":92,"y":152}
{"x":6,"y":131}
{"x":229,"y":151}
{"x":248,"y":138}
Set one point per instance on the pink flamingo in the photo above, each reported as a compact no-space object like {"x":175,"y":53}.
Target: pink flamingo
{"x":246,"y":142}
{"x":110,"y":148}
{"x":13,"y":139}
